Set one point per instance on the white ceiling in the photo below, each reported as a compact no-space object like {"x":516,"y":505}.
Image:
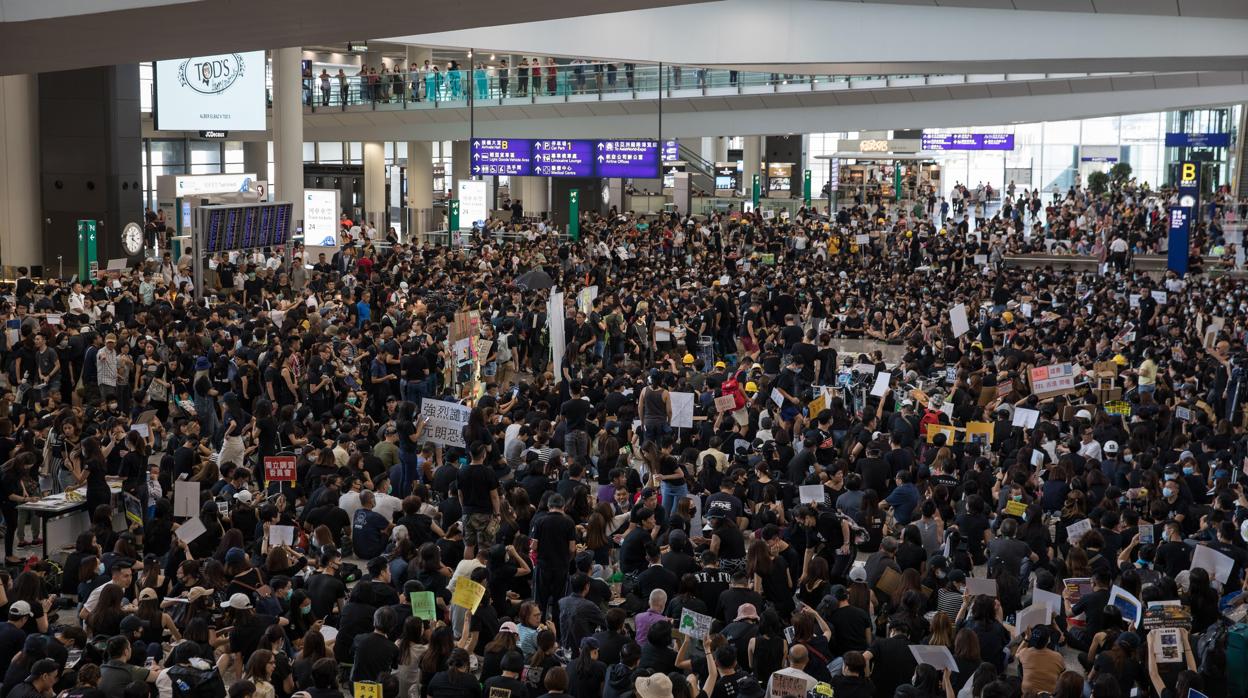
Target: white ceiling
{"x":1236,"y":9}
{"x":27,"y":10}
{"x":46,"y":35}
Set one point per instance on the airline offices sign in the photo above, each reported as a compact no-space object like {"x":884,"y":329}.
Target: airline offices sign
{"x":223,"y":92}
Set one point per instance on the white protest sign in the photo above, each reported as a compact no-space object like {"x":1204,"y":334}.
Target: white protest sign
{"x":444,"y":422}
{"x":190,"y":530}
{"x":777,"y":397}
{"x":1033,"y":615}
{"x":725,"y":403}
{"x":881,"y":384}
{"x":694,"y":624}
{"x":1216,"y":563}
{"x":682,"y":410}
{"x":1024,"y":417}
{"x":1049,"y":599}
{"x":810,"y":494}
{"x":958,"y":321}
{"x":281,"y":535}
{"x":662,"y":331}
{"x":185,"y":498}
{"x":1076,"y":530}
{"x":978,"y":586}
{"x":786,"y":685}
{"x":936,"y":656}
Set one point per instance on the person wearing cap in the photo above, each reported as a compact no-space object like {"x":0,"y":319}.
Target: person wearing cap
{"x":588,"y":673}
{"x":654,"y":686}
{"x":106,"y":361}
{"x":14,"y":630}
{"x":43,"y":677}
{"x":118,"y":672}
{"x":512,"y":665}
{"x":248,"y":627}
{"x":851,"y":626}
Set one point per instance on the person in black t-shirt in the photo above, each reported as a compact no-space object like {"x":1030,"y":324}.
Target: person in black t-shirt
{"x":480,"y":498}
{"x":554,"y":534}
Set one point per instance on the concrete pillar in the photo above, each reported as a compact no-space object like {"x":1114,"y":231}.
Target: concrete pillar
{"x":288,"y":128}
{"x":20,"y":227}
{"x":708,"y":149}
{"x":751,"y":161}
{"x":375,"y":206}
{"x":461,"y":160}
{"x":256,"y":158}
{"x":419,"y":183}
{"x":721,"y":149}
{"x":534,"y":194}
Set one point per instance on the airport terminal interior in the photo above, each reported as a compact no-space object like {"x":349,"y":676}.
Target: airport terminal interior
{"x":630,"y":349}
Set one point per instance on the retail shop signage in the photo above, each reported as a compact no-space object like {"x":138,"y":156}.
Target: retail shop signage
{"x":968,"y":141}
{"x":1198,"y":140}
{"x":671,"y":151}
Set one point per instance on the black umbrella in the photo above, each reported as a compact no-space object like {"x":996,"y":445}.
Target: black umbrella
{"x":535,"y":279}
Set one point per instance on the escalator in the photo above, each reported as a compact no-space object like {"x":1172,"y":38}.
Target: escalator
{"x":701,"y":172}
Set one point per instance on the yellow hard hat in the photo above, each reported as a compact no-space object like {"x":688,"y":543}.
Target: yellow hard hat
{"x":751,"y":387}
{"x":909,"y":234}
{"x":1120,"y":359}
{"x":1007,"y":316}
{"x":688,"y":359}
{"x":720,"y":364}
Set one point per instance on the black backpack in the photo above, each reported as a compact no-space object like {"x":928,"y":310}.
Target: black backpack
{"x":189,"y":682}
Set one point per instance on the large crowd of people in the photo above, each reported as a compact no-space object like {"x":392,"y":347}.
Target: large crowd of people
{"x":697,"y":494}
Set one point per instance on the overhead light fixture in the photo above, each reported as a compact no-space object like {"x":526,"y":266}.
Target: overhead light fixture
{"x":491,"y":56}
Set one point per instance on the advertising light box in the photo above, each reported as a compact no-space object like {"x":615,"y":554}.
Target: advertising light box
{"x":223,"y":92}
{"x":320,"y":217}
{"x":474,"y":207}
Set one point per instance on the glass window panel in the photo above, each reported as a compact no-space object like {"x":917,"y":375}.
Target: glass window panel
{"x":389,"y":150}
{"x":1103,"y":131}
{"x":1061,"y":132}
{"x":166,"y":152}
{"x":205,"y":153}
{"x":234,"y":151}
{"x":329,"y":151}
{"x":309,"y":152}
{"x":357,"y":153}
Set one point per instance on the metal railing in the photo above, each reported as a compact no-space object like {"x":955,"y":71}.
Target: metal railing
{"x":553,"y":83}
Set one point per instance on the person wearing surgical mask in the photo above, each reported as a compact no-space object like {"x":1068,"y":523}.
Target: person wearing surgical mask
{"x":1176,"y":504}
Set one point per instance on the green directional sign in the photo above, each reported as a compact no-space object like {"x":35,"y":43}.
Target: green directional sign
{"x":453,"y":216}
{"x":756,"y":190}
{"x":806,"y":188}
{"x":87,"y":261}
{"x":574,"y":215}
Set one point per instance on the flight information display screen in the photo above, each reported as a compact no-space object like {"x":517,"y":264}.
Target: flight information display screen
{"x":245,"y":226}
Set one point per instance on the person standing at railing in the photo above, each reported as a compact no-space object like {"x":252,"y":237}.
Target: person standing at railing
{"x":676,"y":76}
{"x":398,"y":80}
{"x":456,"y":79}
{"x":382,"y":80}
{"x":630,"y":74}
{"x":504,"y":77}
{"x":307,"y":83}
{"x":342,"y":87}
{"x":483,"y":82}
{"x":578,"y":74}
{"x":611,"y":71}
{"x":599,"y":76}
{"x":433,"y":83}
{"x":536,"y":75}
{"x":522,"y":78}
{"x":552,"y":77}
{"x":365,"y":95}
{"x":324,"y":87}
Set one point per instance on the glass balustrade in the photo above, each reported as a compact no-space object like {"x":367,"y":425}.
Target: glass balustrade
{"x":549,"y":83}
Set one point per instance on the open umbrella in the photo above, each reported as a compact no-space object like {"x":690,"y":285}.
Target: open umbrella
{"x":535,"y":279}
